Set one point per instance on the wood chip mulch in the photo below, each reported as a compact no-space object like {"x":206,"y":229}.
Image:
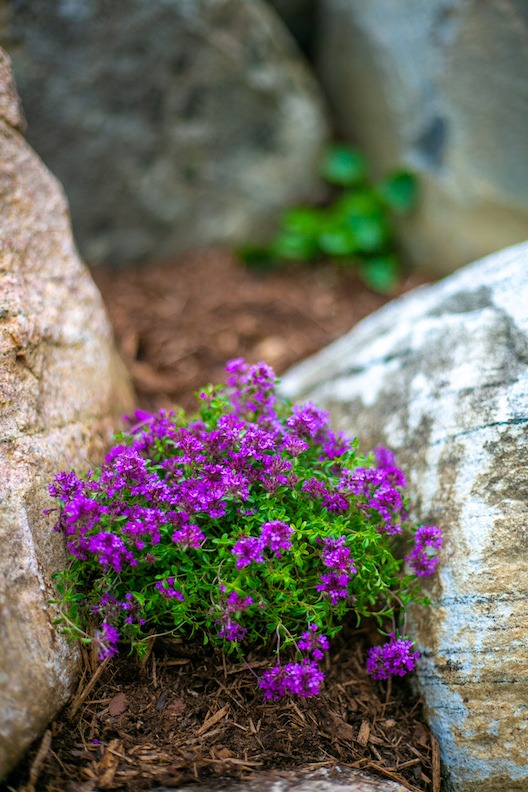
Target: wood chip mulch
{"x":177,"y":323}
{"x":185,"y":715}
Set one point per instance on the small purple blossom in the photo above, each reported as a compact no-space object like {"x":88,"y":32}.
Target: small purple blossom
{"x":428,"y":536}
{"x":314,"y":642}
{"x":422,"y":559}
{"x":167,"y":589}
{"x":336,"y":556}
{"x":276,"y":536}
{"x":234,"y":604}
{"x":110,"y":550}
{"x":106,"y":639}
{"x":297,"y":679}
{"x":393,"y":658}
{"x":334,"y":586}
{"x":248,"y":550}
{"x":189,"y":536}
{"x":232,"y":630}
{"x":384,"y":457}
{"x":307,"y":420}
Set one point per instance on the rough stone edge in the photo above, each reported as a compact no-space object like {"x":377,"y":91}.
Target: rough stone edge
{"x":302,"y":378}
{"x":10,"y":106}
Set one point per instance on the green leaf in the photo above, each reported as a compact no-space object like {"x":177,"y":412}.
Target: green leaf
{"x":399,"y":191}
{"x":371,"y":233}
{"x":294,"y":246}
{"x":343,"y":165}
{"x":380,"y":274}
{"x":304,"y":221}
{"x":337,"y":242}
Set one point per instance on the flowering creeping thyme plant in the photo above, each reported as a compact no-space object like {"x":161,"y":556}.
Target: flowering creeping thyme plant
{"x":249,"y":525}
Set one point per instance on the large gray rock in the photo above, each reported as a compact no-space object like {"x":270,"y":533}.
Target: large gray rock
{"x":339,"y":780}
{"x":172,"y":124}
{"x":441,"y":376}
{"x":439,"y":85}
{"x":62,"y":388}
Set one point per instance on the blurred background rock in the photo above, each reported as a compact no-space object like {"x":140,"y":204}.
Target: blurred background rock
{"x":178,"y":124}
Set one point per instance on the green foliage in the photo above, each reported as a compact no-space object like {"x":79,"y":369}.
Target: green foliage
{"x":355,"y":228}
{"x":155,"y":535}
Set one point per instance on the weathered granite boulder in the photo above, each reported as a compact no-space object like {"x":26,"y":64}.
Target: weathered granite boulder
{"x":62,"y":387}
{"x":441,"y":376}
{"x":439,"y":85}
{"x":339,"y":780}
{"x":171,"y":124}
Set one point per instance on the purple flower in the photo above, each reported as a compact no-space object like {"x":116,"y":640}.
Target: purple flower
{"x":272,"y":682}
{"x":167,"y":589}
{"x":106,"y":640}
{"x":307,"y":420}
{"x":304,"y":679}
{"x":377,"y":489}
{"x":422,"y":559}
{"x":248,"y":550}
{"x":234,"y":604}
{"x":384,"y":457}
{"x":110,"y":550}
{"x":65,"y":486}
{"x":336,"y":555}
{"x":232,"y":630}
{"x":314,"y":642}
{"x":189,"y":536}
{"x":276,"y":536}
{"x":298,"y":679}
{"x":333,"y":501}
{"x":393,"y":658}
{"x":428,"y":536}
{"x":252,"y":390}
{"x":335,"y":445}
{"x":334,"y":586}
{"x":294,"y":445}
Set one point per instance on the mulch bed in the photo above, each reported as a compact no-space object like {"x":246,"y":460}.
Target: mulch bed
{"x":177,"y":323}
{"x":186,"y":715}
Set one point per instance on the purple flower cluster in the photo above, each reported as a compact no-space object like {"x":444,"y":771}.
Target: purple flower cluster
{"x":308,"y":421}
{"x":314,"y":642}
{"x":378,"y":489}
{"x":302,"y":679}
{"x":422,"y":559}
{"x":166,"y":587}
{"x":106,"y":639}
{"x":263,"y":484}
{"x":253,"y":389}
{"x":274,"y":536}
{"x":189,"y":536}
{"x":230,"y":608}
{"x":393,"y":658}
{"x":336,"y":557}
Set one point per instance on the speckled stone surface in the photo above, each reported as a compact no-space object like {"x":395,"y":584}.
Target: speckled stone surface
{"x":441,"y":376}
{"x":319,"y":780}
{"x":62,"y":387}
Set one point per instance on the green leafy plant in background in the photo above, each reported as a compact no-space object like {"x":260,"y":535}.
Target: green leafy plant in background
{"x":355,"y":228}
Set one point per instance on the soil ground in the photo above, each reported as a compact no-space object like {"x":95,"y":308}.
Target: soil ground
{"x":186,"y":715}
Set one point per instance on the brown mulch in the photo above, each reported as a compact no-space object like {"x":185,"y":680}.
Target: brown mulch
{"x":178,"y":323}
{"x":186,"y":715}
